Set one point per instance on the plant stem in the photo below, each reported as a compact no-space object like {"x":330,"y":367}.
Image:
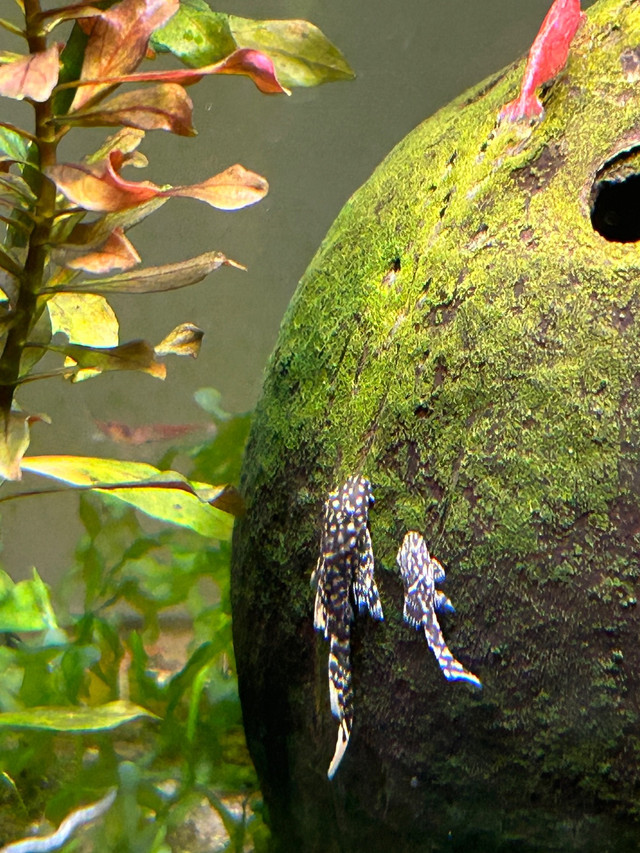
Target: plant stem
{"x":32,"y":277}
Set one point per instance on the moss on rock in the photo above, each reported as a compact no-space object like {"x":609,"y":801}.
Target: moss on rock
{"x":468,"y":341}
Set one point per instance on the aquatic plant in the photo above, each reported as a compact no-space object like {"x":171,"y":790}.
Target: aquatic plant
{"x":69,"y":684}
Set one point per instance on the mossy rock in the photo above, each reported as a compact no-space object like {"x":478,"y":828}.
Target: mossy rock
{"x":468,"y":340}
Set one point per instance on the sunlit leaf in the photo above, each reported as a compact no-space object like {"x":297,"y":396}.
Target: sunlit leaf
{"x":195,"y":34}
{"x":163,"y":107}
{"x":156,"y":279}
{"x":84,"y":318}
{"x":75,"y":719}
{"x":232,"y":189}
{"x":166,"y":495}
{"x":25,"y":606}
{"x":118,"y":42}
{"x":33,"y":76}
{"x":301,"y":53}
{"x":185,"y":339}
{"x":117,"y":253}
{"x":134,"y":355}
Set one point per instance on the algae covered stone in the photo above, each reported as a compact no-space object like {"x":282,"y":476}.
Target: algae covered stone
{"x":468,"y":340}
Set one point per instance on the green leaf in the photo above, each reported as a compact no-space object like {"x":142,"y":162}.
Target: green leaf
{"x":195,"y":34}
{"x":165,"y":495}
{"x":73,"y":719}
{"x":13,"y":146}
{"x":25,"y":606}
{"x":301,"y":53}
{"x":71,"y":60}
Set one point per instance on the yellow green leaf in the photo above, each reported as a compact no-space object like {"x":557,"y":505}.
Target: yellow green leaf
{"x":166,"y":495}
{"x":75,"y":719}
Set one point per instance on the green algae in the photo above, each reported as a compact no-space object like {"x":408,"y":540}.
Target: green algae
{"x":468,"y":341}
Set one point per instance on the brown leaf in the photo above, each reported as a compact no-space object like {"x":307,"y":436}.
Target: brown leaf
{"x":118,"y":42}
{"x":33,"y":76}
{"x":102,"y":188}
{"x":163,"y":107}
{"x":232,"y":189}
{"x":185,"y":339}
{"x":156,"y":279}
{"x":147,"y":433}
{"x":117,"y":253}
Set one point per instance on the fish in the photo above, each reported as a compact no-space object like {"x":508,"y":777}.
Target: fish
{"x":345,"y":569}
{"x":420,"y":574}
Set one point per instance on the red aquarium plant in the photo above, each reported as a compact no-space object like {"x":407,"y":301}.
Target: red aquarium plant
{"x":66,"y":247}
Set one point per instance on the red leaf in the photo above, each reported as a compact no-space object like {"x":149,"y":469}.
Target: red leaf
{"x":251,"y":63}
{"x":118,"y":42}
{"x":32,"y":76}
{"x":163,"y":107}
{"x":118,"y":253}
{"x":103,"y":189}
{"x":548,"y":55}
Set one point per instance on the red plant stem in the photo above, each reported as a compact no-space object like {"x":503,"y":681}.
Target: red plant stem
{"x":32,"y":278}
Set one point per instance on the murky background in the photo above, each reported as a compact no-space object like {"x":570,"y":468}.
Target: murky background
{"x":315,"y":148}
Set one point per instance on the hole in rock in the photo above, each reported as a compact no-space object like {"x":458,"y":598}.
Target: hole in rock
{"x":615,"y":198}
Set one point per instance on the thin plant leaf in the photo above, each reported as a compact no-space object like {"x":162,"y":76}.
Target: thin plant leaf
{"x":185,"y":339}
{"x":163,"y":107}
{"x":33,"y":76}
{"x":74,"y":719}
{"x":156,"y":279}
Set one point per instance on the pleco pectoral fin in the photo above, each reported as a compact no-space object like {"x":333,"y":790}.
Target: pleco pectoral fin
{"x":341,"y":748}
